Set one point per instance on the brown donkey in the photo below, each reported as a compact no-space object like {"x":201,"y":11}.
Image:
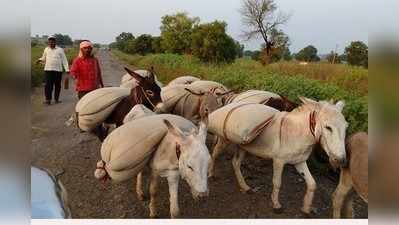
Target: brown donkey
{"x":354,"y":176}
{"x":147,"y":93}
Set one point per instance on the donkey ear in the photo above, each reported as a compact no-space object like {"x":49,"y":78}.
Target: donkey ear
{"x":203,"y":131}
{"x":135,"y":75}
{"x":178,"y":150}
{"x":340,"y":105}
{"x":173,"y":129}
{"x":307,"y":100}
{"x":152,"y":74}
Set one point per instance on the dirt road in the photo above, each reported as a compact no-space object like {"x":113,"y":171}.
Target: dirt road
{"x":73,"y":155}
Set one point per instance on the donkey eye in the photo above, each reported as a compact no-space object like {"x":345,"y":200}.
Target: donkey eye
{"x":150,"y":93}
{"x":191,"y":168}
{"x":329,"y":128}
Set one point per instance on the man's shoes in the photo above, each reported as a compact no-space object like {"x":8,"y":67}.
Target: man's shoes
{"x":57,"y":101}
{"x":47,"y":102}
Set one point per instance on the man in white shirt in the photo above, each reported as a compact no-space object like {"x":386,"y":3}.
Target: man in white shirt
{"x":55,"y":61}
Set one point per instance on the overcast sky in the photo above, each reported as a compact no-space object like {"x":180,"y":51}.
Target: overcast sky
{"x":323,"y":23}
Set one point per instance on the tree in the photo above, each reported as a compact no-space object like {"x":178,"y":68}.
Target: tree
{"x":63,"y":40}
{"x":261,"y":18}
{"x":308,"y":54}
{"x":210,"y":43}
{"x":357,"y":54}
{"x":280,"y":47}
{"x":256,"y":55}
{"x":239,"y":49}
{"x":156,"y":45}
{"x":143,"y":44}
{"x":176,"y":32}
{"x":125,"y":42}
{"x":333,"y":58}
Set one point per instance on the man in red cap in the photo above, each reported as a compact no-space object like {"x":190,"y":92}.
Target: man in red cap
{"x":86,"y":70}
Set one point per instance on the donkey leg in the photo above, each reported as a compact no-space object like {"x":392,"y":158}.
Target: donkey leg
{"x":139,"y":187}
{"x":349,"y":208}
{"x":303,"y":170}
{"x":154,"y":183}
{"x":338,"y":197}
{"x":278,"y":167}
{"x":173,"y":182}
{"x":220,"y":145}
{"x":237,"y":159}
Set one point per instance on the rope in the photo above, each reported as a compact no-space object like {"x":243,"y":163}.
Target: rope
{"x":145,"y":95}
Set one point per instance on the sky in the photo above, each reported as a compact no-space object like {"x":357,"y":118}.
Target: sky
{"x":326,"y":24}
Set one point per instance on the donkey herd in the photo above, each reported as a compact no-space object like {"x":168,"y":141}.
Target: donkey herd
{"x":181,"y":149}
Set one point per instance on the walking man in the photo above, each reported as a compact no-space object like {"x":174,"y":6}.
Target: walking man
{"x":55,"y":61}
{"x":86,"y":70}
{"x":87,"y":73}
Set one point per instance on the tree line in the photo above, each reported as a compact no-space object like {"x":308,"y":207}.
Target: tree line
{"x":182,"y":34}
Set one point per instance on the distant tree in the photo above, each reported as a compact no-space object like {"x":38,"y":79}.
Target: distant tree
{"x":210,"y":43}
{"x":63,"y":40}
{"x":239,"y":49}
{"x":156,"y":45}
{"x":176,"y":32}
{"x":357,"y":54}
{"x":248,"y":53}
{"x":261,"y":18}
{"x":333,"y":58}
{"x":143,"y":44}
{"x":256,"y":55}
{"x":287,"y":56}
{"x":280,"y":47}
{"x":308,"y":54}
{"x":343,"y":58}
{"x":124,"y":42}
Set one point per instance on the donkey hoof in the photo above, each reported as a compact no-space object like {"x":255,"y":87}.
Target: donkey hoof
{"x":278,"y":210}
{"x":249,"y":191}
{"x":154,"y":216}
{"x":142,"y":197}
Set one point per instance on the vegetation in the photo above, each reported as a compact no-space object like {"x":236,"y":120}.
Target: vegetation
{"x":176,"y":31}
{"x":308,"y":54}
{"x":210,"y":43}
{"x":181,"y":34}
{"x":357,"y":54}
{"x":324,"y":81}
{"x":63,"y":40}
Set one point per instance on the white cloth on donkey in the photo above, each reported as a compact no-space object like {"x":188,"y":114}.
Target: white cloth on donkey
{"x":97,"y":105}
{"x":240,"y":123}
{"x":128,"y":148}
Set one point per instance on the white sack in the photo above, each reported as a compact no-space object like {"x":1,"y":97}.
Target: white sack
{"x":137,"y":112}
{"x":183,"y":80}
{"x":97,"y":105}
{"x":255,"y":96}
{"x":240,"y":123}
{"x":128,"y":148}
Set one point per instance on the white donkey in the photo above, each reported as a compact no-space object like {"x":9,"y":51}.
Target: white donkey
{"x":178,"y":155}
{"x":290,"y":140}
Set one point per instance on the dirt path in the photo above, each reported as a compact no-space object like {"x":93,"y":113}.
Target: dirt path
{"x":73,"y":155}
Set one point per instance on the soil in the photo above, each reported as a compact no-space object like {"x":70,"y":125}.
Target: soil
{"x":73,"y":155}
